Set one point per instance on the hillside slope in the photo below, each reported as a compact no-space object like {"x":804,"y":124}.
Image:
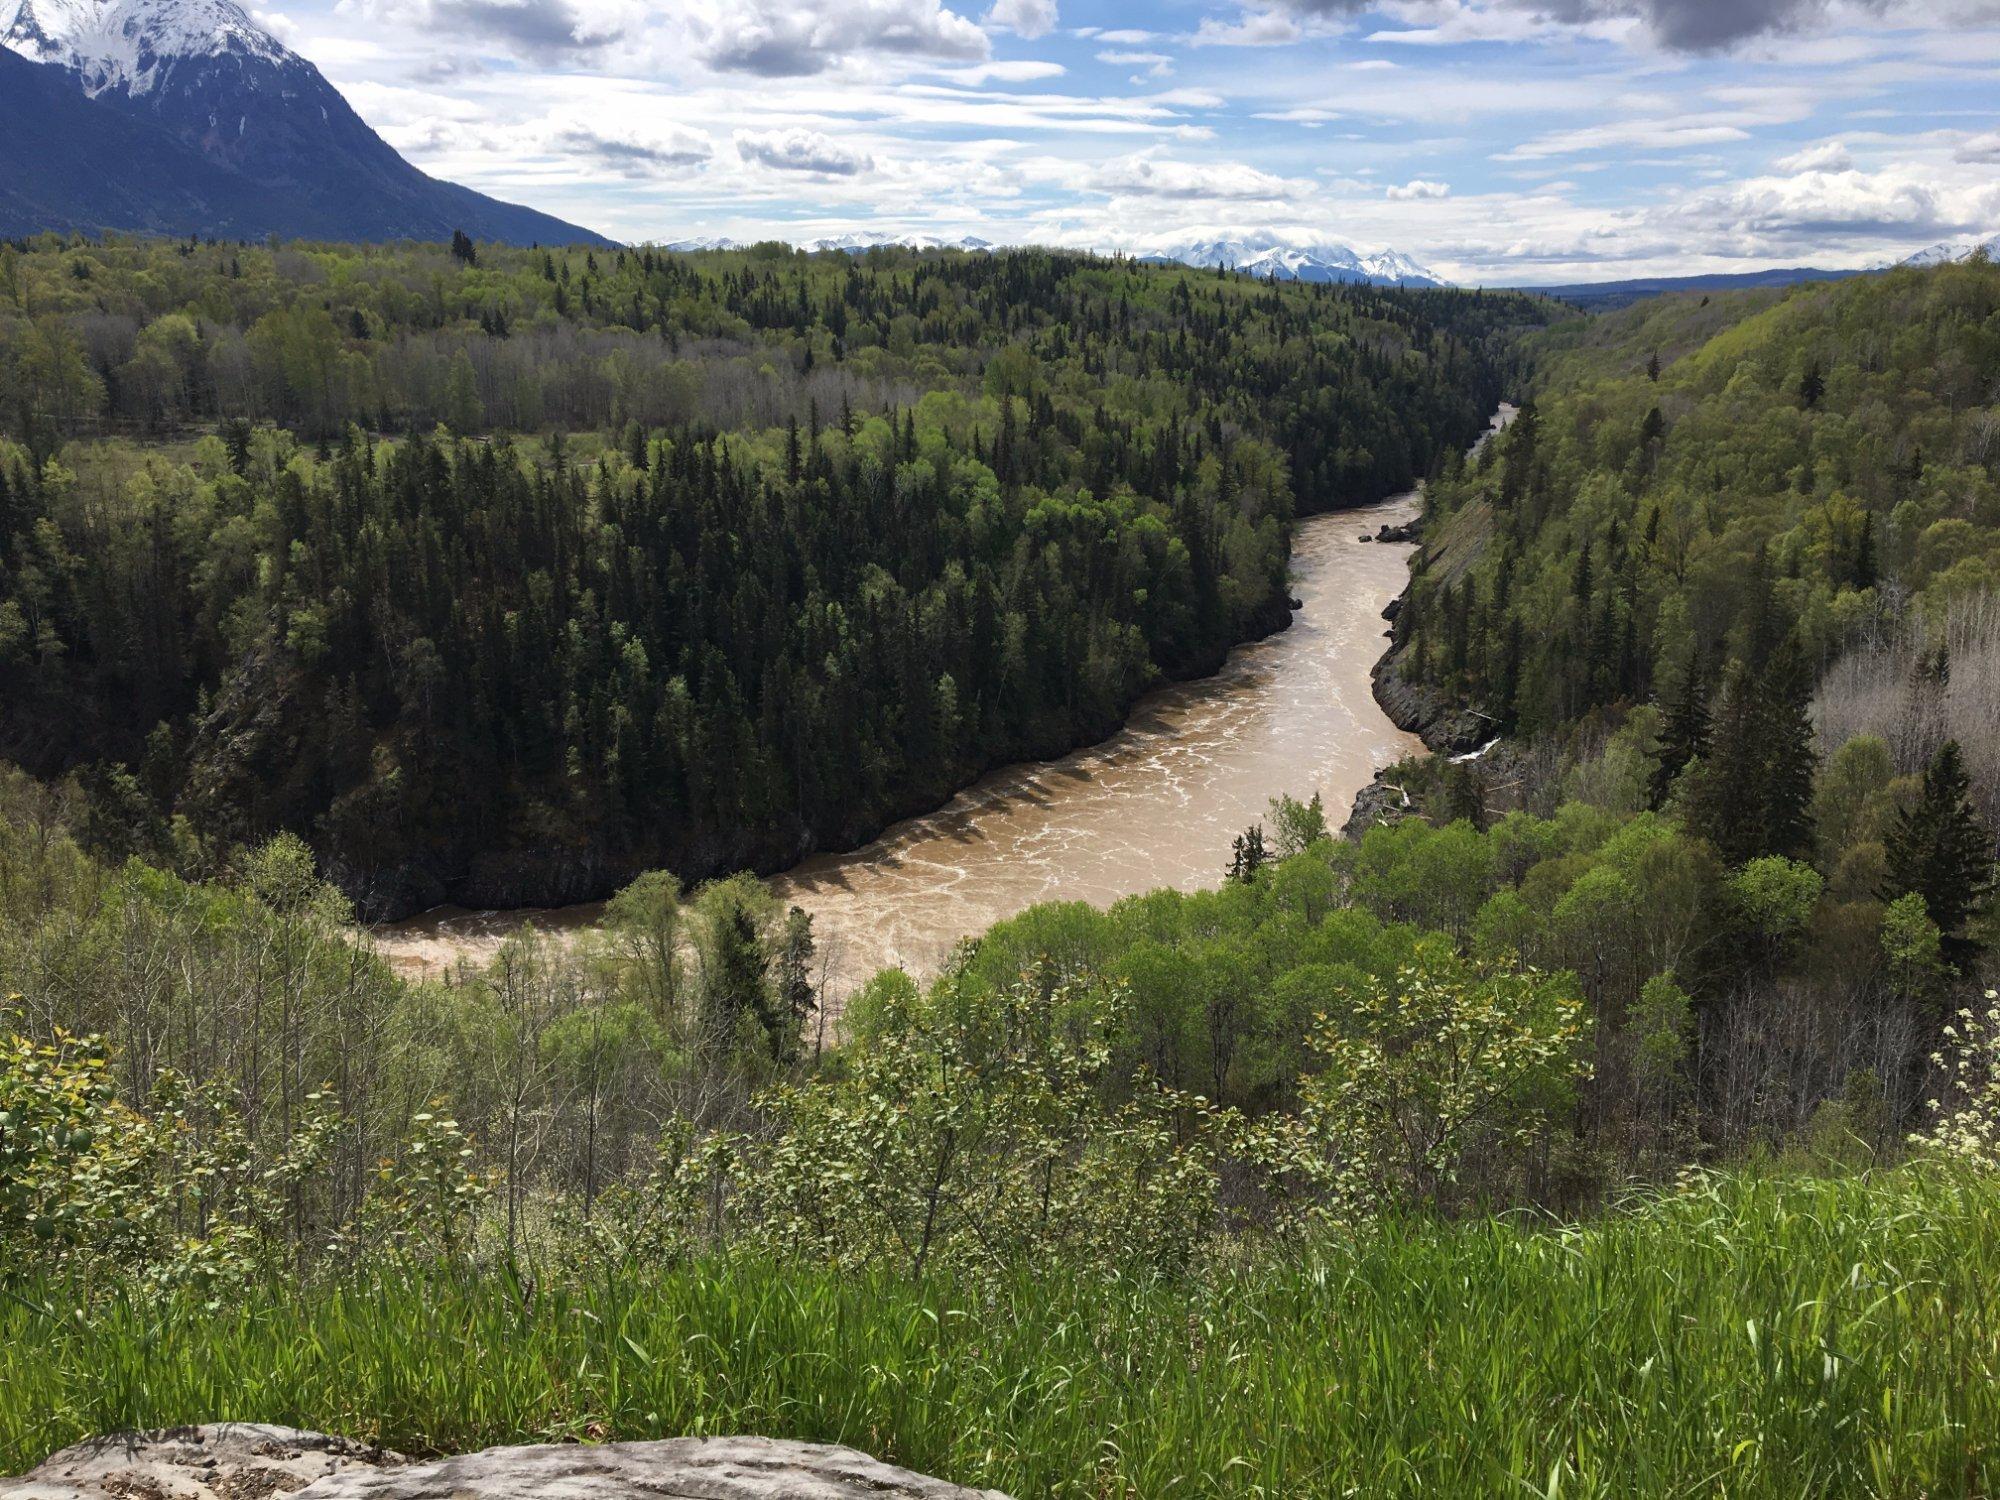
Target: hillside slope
{"x":1707,"y":483}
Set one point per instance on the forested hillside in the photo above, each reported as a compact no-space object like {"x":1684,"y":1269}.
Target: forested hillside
{"x":504,"y":575}
{"x":1719,"y":488}
{"x":1628,"y":1117}
{"x":1727,"y":589}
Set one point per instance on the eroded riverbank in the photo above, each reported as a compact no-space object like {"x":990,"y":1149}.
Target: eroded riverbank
{"x":1155,"y":805}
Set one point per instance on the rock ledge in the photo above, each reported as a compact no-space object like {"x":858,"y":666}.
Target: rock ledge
{"x":250,"y":1461}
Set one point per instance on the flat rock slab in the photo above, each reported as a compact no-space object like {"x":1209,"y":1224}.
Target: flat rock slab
{"x":225,"y":1461}
{"x":250,"y":1462}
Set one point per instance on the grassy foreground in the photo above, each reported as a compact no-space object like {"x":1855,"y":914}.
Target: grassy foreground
{"x":1750,"y":1337}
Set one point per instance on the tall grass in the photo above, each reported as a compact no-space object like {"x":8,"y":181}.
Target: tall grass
{"x":1749,"y":1338}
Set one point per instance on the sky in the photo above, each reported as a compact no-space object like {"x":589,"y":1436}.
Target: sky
{"x":1499,"y":142}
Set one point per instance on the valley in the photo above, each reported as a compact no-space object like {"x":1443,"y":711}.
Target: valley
{"x":1155,"y":805}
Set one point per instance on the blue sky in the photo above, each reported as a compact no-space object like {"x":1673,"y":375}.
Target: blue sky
{"x":1498,"y":141}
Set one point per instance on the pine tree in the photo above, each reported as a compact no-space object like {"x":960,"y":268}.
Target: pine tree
{"x":1248,"y":855}
{"x":1790,"y":762}
{"x":1723,"y":802}
{"x":1752,"y":795}
{"x":1684,"y":732}
{"x":1940,"y":850}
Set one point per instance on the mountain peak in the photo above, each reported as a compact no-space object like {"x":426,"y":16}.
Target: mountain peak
{"x":1952,"y":250}
{"x":1266,"y":253}
{"x":129,"y":45}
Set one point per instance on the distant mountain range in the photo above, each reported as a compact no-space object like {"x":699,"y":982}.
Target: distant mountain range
{"x":1604,"y":296}
{"x":1251,"y":255}
{"x":186,"y":117}
{"x":1953,"y":250}
{"x":1265,"y":255}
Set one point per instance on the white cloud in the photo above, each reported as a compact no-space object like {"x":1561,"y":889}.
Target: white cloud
{"x":1979,"y":148}
{"x":1827,"y":156}
{"x":1154,"y":64}
{"x":1022,"y":70}
{"x":1029,"y":18}
{"x":1418,"y":188}
{"x":1257,"y":28}
{"x":1147,"y":174}
{"x":801,"y":151}
{"x":798,"y":38}
{"x":1651,"y":135}
{"x":643,"y":153}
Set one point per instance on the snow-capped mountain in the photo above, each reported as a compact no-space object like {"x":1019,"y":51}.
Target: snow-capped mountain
{"x":1952,"y":250}
{"x":854,"y":243}
{"x":210,"y":80}
{"x":1264,"y":254}
{"x":137,"y":44}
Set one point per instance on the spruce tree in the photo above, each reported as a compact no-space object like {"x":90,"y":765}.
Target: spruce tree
{"x":1940,"y":850}
{"x":1724,"y":805}
{"x":1684,"y":731}
{"x":1790,"y":762}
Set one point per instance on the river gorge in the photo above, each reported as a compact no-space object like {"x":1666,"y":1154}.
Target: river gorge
{"x":1155,"y":805}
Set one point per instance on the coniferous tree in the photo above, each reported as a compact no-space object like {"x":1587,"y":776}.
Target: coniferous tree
{"x":1940,"y":850}
{"x":1790,"y":761}
{"x":1725,"y":806}
{"x":1684,"y":730}
{"x":1248,"y":854}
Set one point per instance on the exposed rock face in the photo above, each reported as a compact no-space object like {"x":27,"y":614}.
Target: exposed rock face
{"x":251,"y":1462}
{"x":1376,"y":805}
{"x":226,"y":1461}
{"x":1444,"y":726}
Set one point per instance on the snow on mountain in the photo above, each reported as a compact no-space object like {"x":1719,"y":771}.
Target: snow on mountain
{"x":1254,"y":254}
{"x":1952,"y":250}
{"x":131,"y":45}
{"x":1265,"y":254}
{"x":855,"y":242}
{"x":224,"y":130}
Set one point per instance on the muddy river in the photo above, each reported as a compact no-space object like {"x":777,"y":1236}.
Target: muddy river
{"x":1156,"y":805}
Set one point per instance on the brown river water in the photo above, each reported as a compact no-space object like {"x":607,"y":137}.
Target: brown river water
{"x":1156,"y":805}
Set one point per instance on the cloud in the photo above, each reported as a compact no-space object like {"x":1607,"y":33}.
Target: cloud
{"x":542,"y":29}
{"x":1310,"y":115}
{"x":1155,"y":64}
{"x":1827,"y":156}
{"x":1256,"y":28}
{"x":1023,"y":70}
{"x":801,"y":151}
{"x":638,"y":156}
{"x":1979,"y":148}
{"x":1653,"y":135}
{"x":1147,"y":174}
{"x":1419,"y":188}
{"x":798,"y":38}
{"x":1029,"y":18}
{"x":1903,"y":200}
{"x":1702,"y":25}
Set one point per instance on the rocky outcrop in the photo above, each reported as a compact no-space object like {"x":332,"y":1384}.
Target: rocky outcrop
{"x":1446,"y":727}
{"x":227,"y":1461}
{"x":248,"y":1461}
{"x":1377,"y":805}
